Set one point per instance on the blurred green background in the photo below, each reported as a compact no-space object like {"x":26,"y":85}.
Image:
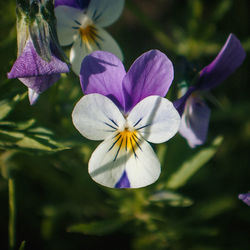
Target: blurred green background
{"x":194,"y":205}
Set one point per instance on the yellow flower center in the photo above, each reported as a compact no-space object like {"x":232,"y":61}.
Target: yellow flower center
{"x":89,"y":35}
{"x":128,"y":140}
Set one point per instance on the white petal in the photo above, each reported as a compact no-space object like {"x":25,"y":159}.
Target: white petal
{"x":97,"y":117}
{"x":155,"y":118}
{"x":77,"y":53}
{"x":67,"y":18}
{"x":103,"y":42}
{"x":104,"y":167}
{"x":144,"y":169}
{"x":105,"y":12}
{"x":33,"y":96}
{"x":108,"y":44}
{"x":109,"y":161}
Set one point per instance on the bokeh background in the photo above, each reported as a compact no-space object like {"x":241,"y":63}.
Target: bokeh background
{"x":194,"y":205}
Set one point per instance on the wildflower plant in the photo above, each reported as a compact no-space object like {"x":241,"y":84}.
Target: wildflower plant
{"x":116,"y":125}
{"x":81,"y":23}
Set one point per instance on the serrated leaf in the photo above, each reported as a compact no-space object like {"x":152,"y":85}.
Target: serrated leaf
{"x":193,"y":164}
{"x":97,"y":227}
{"x":172,"y":198}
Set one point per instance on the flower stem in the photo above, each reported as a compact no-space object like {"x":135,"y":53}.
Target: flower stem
{"x":12,"y":214}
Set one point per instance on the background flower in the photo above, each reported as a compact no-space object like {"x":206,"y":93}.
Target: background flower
{"x":125,"y":158}
{"x":81,"y":23}
{"x":195,"y":114}
{"x":245,"y":198}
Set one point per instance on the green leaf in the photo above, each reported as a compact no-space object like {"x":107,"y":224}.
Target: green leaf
{"x":22,"y":246}
{"x":172,"y":198}
{"x":5,"y":108}
{"x":96,"y":227}
{"x":23,"y":136}
{"x":7,"y":105}
{"x":193,"y":164}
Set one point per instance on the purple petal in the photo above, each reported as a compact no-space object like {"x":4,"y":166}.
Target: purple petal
{"x":34,"y":72}
{"x":102,"y":73}
{"x":245,"y":198}
{"x":151,"y":74}
{"x":40,"y":83}
{"x":194,"y":121}
{"x":180,"y":103}
{"x":30,"y":64}
{"x":227,"y":61}
{"x":123,"y":182}
{"x":79,"y":4}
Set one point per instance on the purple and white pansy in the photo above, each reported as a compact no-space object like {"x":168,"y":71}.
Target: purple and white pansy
{"x":195,"y":114}
{"x":81,"y":23}
{"x":127,"y":111}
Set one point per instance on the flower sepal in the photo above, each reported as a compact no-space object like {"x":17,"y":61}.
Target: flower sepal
{"x":36,"y":20}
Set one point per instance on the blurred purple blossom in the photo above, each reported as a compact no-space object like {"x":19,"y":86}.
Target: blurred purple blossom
{"x":245,"y":198}
{"x":195,"y":114}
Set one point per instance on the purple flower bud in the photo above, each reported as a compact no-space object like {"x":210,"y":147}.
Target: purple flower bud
{"x":39,"y":63}
{"x":36,"y":73}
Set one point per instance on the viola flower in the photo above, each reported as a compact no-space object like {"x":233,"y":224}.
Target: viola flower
{"x":195,"y":114}
{"x":126,"y":111}
{"x":81,"y":23}
{"x":38,"y":65}
{"x":245,"y":198}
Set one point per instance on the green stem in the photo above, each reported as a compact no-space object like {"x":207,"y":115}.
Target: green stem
{"x":12,"y":214}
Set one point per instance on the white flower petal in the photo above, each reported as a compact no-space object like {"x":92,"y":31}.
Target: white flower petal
{"x":109,"y":161}
{"x":97,"y":117}
{"x":77,"y":53}
{"x":155,"y":118}
{"x":33,"y":96}
{"x":108,"y":44}
{"x":105,"y":12}
{"x":67,"y":19}
{"x":144,"y":168}
{"x":103,"y":41}
{"x":104,"y":167}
